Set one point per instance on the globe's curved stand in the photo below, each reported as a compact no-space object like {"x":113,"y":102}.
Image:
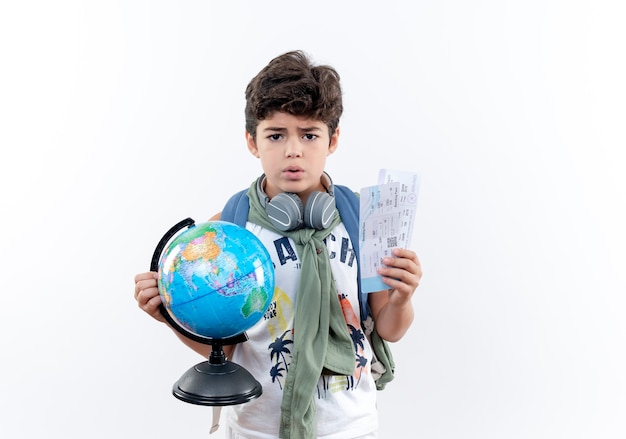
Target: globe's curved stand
{"x":216,"y":382}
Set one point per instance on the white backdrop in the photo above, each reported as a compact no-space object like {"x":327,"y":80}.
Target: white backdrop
{"x":118,"y":119}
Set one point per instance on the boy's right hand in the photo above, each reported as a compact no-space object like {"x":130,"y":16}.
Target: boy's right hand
{"x":147,"y":294}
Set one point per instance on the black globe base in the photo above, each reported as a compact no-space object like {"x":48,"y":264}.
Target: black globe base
{"x":217,"y":385}
{"x":217,"y":382}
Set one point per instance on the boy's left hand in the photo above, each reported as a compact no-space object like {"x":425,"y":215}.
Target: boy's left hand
{"x":402,"y":272}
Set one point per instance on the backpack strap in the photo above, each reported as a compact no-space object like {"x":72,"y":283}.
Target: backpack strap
{"x":348,"y":205}
{"x":236,"y":209}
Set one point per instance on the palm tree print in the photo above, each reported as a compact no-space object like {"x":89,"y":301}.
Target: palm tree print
{"x":361,"y":362}
{"x":357,"y":337}
{"x":279,"y":348}
{"x":277,"y":372}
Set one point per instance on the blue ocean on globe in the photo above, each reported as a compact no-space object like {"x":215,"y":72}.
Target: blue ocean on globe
{"x":216,"y":279}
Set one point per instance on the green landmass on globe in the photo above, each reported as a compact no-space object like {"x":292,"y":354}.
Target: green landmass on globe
{"x":216,"y":279}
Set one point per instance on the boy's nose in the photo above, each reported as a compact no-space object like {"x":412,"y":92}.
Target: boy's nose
{"x":293,"y":149}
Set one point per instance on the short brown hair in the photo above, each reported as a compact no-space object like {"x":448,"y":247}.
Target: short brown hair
{"x":291,"y":83}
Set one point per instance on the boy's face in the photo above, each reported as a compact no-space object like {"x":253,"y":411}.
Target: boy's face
{"x":293,"y":151}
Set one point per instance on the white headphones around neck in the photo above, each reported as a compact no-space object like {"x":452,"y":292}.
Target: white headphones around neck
{"x":287,"y":213}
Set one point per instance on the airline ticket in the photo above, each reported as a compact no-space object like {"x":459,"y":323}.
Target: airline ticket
{"x":387,"y":215}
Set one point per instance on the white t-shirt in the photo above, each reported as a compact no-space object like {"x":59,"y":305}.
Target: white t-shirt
{"x":346,"y":406}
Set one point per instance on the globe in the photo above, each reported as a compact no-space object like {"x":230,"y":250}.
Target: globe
{"x":216,"y":279}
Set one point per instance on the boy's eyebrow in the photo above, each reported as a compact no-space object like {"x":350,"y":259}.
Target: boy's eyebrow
{"x":281,"y":129}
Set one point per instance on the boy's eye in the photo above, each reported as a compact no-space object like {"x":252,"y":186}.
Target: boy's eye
{"x":310,"y":136}
{"x":274,"y":136}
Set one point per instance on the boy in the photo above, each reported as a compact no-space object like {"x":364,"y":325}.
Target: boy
{"x":309,"y":352}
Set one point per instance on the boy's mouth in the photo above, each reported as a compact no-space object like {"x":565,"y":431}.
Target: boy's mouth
{"x":293,"y":172}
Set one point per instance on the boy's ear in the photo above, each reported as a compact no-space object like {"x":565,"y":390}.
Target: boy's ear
{"x":252,"y":145}
{"x":334,"y":142}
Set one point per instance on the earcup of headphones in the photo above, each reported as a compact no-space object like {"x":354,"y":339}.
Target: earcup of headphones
{"x":285,"y":211}
{"x":319,"y":210}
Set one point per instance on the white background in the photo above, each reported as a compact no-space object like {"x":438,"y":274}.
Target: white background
{"x":118,"y":119}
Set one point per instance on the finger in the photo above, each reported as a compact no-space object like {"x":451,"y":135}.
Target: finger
{"x":144,"y":296}
{"x":146,"y":275}
{"x":404,"y":271}
{"x":153,"y":304}
{"x":407,"y":264}
{"x":400,"y":275}
{"x":145,"y":285}
{"x":400,"y":252}
{"x":153,"y":307}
